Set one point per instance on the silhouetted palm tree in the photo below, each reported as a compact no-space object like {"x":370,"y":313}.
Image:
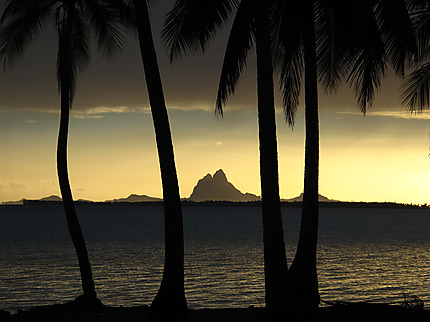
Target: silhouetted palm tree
{"x":328,"y":41}
{"x":170,"y":302}
{"x":415,"y":91}
{"x":21,"y":21}
{"x":296,"y":53}
{"x":189,"y":26}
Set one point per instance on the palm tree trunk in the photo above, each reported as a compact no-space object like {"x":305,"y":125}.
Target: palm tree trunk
{"x":303,"y":271}
{"x":279,"y":295}
{"x":170,"y":299}
{"x":69,"y":208}
{"x":65,"y":73}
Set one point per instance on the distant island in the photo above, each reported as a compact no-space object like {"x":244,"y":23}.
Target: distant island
{"x":216,"y":190}
{"x":136,"y":198}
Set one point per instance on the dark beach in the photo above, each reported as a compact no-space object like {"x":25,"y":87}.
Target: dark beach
{"x":411,"y":311}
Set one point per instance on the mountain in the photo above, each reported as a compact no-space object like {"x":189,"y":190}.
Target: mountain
{"x":208,"y":188}
{"x":24,"y":200}
{"x":321,"y":198}
{"x":51,"y":198}
{"x":17,"y":202}
{"x":217,"y":188}
{"x":136,"y":198}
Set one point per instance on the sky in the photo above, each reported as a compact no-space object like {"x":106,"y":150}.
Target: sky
{"x":383,"y":156}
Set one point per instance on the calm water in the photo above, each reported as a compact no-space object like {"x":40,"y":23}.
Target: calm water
{"x":363,"y":254}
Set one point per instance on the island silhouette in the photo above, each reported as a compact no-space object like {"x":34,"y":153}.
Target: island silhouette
{"x":214,"y":187}
{"x":214,"y":190}
{"x":218,"y":188}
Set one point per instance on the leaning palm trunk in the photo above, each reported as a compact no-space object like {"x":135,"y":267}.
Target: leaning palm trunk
{"x":69,"y":208}
{"x":65,"y":75}
{"x":303,"y":271}
{"x":279,"y":295}
{"x":170,"y":299}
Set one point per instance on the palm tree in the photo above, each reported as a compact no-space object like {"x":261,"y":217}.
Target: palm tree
{"x":170,"y":302}
{"x":21,"y":21}
{"x":415,"y":91}
{"x":319,"y":40}
{"x":297,"y":40}
{"x":189,"y":26}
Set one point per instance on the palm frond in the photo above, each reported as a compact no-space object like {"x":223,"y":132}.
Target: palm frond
{"x":367,"y":54}
{"x":79,"y":40}
{"x":127,"y":14}
{"x":366,"y":77}
{"x":73,"y":49}
{"x":21,"y":22}
{"x":288,"y":54}
{"x":420,"y":15}
{"x":192,"y":23}
{"x":16,"y":8}
{"x":239,"y":44}
{"x":332,"y":44}
{"x":291,"y":81}
{"x":415,"y":90}
{"x":395,"y":26}
{"x":282,"y":27}
{"x":104,"y":18}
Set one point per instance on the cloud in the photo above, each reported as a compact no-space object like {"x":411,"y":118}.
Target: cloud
{"x":192,"y":108}
{"x":30,"y":121}
{"x":425,"y":115}
{"x":87,"y":117}
{"x":98,"y":112}
{"x":79,"y":112}
{"x":107,"y":109}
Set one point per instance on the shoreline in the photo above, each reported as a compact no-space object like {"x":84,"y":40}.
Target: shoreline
{"x":188,"y":203}
{"x":76,"y":311}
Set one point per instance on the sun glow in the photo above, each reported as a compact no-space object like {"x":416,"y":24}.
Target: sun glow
{"x":361,"y":159}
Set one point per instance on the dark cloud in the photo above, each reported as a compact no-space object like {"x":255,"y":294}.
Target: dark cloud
{"x":189,"y":83}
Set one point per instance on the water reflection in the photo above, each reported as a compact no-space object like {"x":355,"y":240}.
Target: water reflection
{"x":372,"y":255}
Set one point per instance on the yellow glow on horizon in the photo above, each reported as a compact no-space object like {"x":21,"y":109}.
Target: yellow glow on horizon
{"x":376,"y":172}
{"x":114,"y":160}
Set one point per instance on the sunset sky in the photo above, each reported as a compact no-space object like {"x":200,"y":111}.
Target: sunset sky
{"x":383,"y":156}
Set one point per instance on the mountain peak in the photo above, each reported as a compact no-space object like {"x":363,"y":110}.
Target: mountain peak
{"x":299,"y":198}
{"x":52,"y":198}
{"x":219,"y":175}
{"x":217,"y":188}
{"x":135,"y":198}
{"x":207,"y":177}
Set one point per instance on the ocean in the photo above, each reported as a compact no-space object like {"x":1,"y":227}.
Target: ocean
{"x":364,"y":254}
